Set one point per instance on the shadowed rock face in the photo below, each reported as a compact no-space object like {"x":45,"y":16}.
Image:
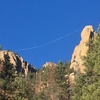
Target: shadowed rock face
{"x":17,"y":61}
{"x":81,"y":49}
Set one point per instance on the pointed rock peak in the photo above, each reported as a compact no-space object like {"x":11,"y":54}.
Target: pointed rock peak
{"x":81,"y":50}
{"x":87,"y":33}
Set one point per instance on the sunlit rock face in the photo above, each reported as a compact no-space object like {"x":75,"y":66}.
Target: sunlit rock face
{"x":17,"y":61}
{"x":49,"y":64}
{"x":81,"y":49}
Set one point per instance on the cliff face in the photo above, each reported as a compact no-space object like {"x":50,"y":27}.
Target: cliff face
{"x":17,"y":61}
{"x":81,"y":50}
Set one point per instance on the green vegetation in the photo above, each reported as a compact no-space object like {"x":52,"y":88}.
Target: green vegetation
{"x":7,"y":77}
{"x":14,"y":86}
{"x":87,"y":86}
{"x":98,"y":30}
{"x":53,"y":81}
{"x":62,"y":81}
{"x":41,"y":96}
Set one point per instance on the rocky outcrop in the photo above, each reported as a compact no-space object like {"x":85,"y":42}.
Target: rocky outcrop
{"x":17,"y":61}
{"x":71,"y":78}
{"x":49,"y":64}
{"x":81,"y":49}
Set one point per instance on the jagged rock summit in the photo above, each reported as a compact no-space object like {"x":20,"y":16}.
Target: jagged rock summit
{"x":17,"y":61}
{"x":81,"y":49}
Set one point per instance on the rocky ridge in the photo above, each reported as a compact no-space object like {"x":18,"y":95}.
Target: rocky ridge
{"x":17,"y":61}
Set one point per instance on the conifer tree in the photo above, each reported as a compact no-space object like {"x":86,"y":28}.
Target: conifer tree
{"x":61,"y":81}
{"x":87,"y":86}
{"x":7,"y":76}
{"x":98,"y":30}
{"x":25,"y":87}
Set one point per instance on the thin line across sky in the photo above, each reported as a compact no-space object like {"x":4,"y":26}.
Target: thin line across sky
{"x":45,"y":44}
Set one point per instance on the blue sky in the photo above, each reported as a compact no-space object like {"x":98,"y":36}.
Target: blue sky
{"x":29,"y":23}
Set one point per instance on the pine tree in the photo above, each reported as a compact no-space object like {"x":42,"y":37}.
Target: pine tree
{"x":7,"y":76}
{"x":24,"y":87}
{"x":98,"y":30}
{"x":61,"y":81}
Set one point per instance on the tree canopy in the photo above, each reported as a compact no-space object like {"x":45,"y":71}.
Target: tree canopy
{"x":87,"y":86}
